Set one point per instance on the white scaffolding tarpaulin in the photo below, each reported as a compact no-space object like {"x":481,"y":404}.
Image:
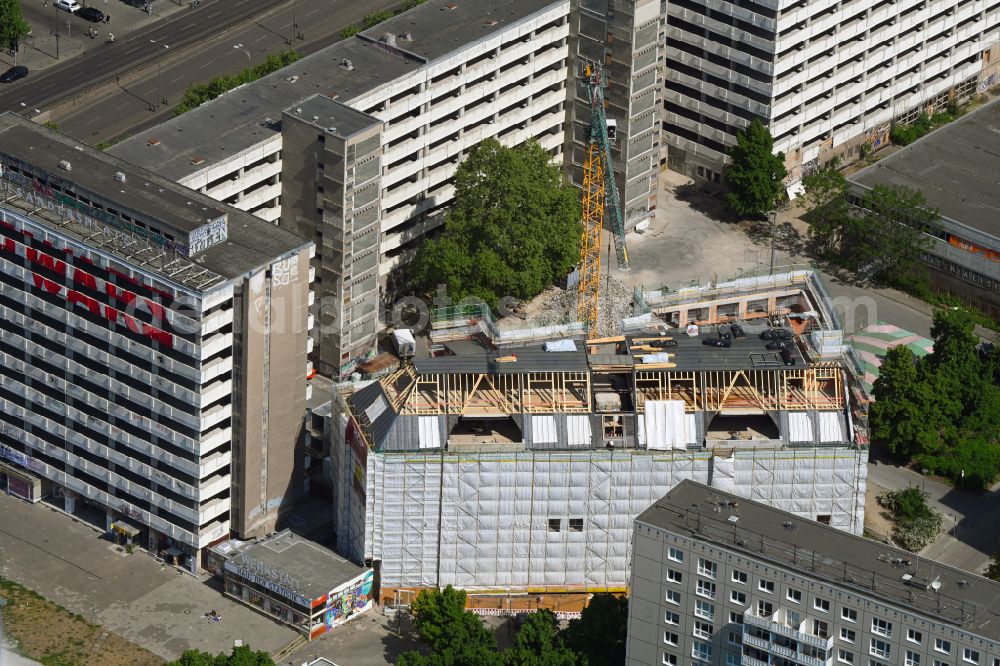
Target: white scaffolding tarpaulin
{"x":430,"y":433}
{"x":578,"y":431}
{"x":666,"y":426}
{"x":800,"y":427}
{"x":830,"y":427}
{"x":543,"y":429}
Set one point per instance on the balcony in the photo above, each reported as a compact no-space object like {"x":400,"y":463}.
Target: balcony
{"x":214,"y":485}
{"x":215,"y":439}
{"x":215,"y":415}
{"x":780,"y":623}
{"x":213,"y":509}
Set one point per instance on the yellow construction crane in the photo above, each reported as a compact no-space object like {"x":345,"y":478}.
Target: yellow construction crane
{"x":600,"y":196}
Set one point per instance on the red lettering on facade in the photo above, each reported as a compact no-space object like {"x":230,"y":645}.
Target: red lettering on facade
{"x":86,"y":279}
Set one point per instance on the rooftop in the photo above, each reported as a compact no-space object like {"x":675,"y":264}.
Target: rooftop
{"x":332,"y":116}
{"x":869,"y":568}
{"x":516,"y":360}
{"x":297,"y":564}
{"x":691,"y":354}
{"x":250,"y":114}
{"x":251,"y":242}
{"x":954,"y":166}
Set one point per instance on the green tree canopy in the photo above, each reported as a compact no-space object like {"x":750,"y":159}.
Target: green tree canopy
{"x":240,"y":656}
{"x":942,"y":411}
{"x":825,"y":199}
{"x":12,"y":24}
{"x":599,"y":635}
{"x":512,"y":230}
{"x":756,"y":174}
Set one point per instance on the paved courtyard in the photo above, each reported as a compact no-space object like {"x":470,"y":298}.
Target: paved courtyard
{"x":135,"y":596}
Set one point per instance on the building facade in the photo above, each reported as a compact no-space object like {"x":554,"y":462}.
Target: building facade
{"x":717,"y":579}
{"x":523,"y":474}
{"x":825,"y":78}
{"x":429,"y":84}
{"x":626,"y":40}
{"x":154,"y":346}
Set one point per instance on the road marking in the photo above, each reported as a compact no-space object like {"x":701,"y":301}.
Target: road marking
{"x":260,"y":38}
{"x":133,"y":50}
{"x":177,"y":79}
{"x":313,"y":11}
{"x":205,"y":65}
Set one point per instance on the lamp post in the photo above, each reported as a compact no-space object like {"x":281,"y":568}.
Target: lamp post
{"x":245,"y":50}
{"x":159,"y":67}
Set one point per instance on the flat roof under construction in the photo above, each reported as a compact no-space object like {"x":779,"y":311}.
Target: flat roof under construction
{"x":691,"y":354}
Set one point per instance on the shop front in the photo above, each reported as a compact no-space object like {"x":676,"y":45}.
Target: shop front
{"x":19,"y":483}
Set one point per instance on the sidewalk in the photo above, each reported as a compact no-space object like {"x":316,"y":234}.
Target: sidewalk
{"x":38,"y":51}
{"x":135,"y":596}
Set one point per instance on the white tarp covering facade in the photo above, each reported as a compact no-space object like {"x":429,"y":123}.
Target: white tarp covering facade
{"x":830,"y":427}
{"x":664,"y":425}
{"x":578,"y":431}
{"x":543,"y":429}
{"x":800,"y":427}
{"x":559,"y":520}
{"x":430,"y":433}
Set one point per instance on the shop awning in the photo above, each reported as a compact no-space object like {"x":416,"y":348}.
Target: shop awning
{"x":122,"y":527}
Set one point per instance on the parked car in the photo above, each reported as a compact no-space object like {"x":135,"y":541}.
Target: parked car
{"x":737,"y":331}
{"x":717,"y":342}
{"x":13,"y":74}
{"x":71,"y":6}
{"x":776,"y":334}
{"x":92,"y":14}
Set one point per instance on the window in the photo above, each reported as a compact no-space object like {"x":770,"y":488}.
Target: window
{"x":938,"y":662}
{"x":670,"y":638}
{"x":849,"y":614}
{"x":673,"y":597}
{"x":704,"y":610}
{"x":970,"y":656}
{"x":703,"y":630}
{"x":706,"y":589}
{"x":879,"y":648}
{"x":555,"y":524}
{"x":739,"y":577}
{"x":764,"y":609}
{"x":821,"y":628}
{"x":881,"y":627}
{"x":707,"y":567}
{"x":671,"y":617}
{"x":847,"y":635}
{"x":876,"y":662}
{"x":914,"y":636}
{"x":733,"y":659}
{"x":735,"y":618}
{"x":941,"y":645}
{"x":674,"y":576}
{"x":676,"y":555}
{"x":793,"y":595}
{"x":701,"y":650}
{"x":669,"y":659}
{"x":845,"y":657}
{"x":821,"y":604}
{"x":912,"y":658}
{"x":738,"y":597}
{"x":576,"y":524}
{"x":765,"y":586}
{"x":735,"y":638}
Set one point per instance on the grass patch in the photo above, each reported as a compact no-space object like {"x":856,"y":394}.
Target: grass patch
{"x":50,"y":634}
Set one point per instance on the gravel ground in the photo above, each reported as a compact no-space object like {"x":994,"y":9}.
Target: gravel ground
{"x":558,"y":306}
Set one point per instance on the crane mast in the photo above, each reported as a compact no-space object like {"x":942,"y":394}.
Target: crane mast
{"x":600,"y":196}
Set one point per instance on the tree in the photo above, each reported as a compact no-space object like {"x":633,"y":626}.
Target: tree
{"x":828,"y":211}
{"x":240,"y":656}
{"x":456,"y":636}
{"x":12,"y":24}
{"x":890,"y":230}
{"x":599,"y":635}
{"x":756,"y":174}
{"x":538,"y":643}
{"x":512,"y":230}
{"x":993,"y":568}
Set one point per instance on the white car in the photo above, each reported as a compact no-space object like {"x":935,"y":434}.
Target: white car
{"x":71,"y":6}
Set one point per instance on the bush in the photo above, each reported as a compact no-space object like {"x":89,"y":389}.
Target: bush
{"x":349,"y":31}
{"x":374,"y":19}
{"x":916,"y":523}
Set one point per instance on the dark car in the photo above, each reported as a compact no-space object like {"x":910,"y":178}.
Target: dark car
{"x":717,"y":342}
{"x":776,"y":334}
{"x":737,"y":331}
{"x":13,"y":74}
{"x":778,"y":345}
{"x":92,"y":14}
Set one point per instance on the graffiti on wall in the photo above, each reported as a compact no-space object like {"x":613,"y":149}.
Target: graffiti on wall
{"x":351,"y":601}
